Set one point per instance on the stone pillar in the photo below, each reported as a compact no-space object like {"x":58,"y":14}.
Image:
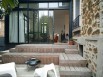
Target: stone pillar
{"x":100,"y":44}
{"x":100,"y":58}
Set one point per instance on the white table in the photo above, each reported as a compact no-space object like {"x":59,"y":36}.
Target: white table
{"x":8,"y":68}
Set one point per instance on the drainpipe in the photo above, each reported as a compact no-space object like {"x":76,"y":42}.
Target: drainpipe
{"x":70,"y":18}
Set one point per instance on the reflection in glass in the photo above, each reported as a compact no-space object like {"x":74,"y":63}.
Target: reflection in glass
{"x":41,"y":23}
{"x":36,"y":30}
{"x":43,"y":5}
{"x":22,"y":5}
{"x":53,"y":5}
{"x":51,"y":25}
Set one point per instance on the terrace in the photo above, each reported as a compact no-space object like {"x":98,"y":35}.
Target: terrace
{"x":30,"y":29}
{"x":68,"y":62}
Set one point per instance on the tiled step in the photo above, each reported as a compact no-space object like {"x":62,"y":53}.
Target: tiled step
{"x":71,"y":51}
{"x":40,"y":48}
{"x":12,"y":50}
{"x":70,"y":71}
{"x":72,"y":60}
{"x":21,"y":58}
{"x":72,"y":47}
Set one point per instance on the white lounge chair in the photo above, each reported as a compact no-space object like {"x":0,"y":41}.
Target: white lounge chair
{"x":8,"y":68}
{"x":42,"y":72}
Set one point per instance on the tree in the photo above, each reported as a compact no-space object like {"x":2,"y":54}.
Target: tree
{"x":6,"y":6}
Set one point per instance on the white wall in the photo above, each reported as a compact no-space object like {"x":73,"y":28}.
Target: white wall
{"x":61,"y":18}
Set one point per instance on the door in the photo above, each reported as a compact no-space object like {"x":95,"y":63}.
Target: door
{"x":41,"y":26}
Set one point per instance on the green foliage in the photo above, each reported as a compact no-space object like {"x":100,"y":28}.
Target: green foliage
{"x":8,"y":5}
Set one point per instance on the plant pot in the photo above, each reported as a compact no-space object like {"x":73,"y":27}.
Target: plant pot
{"x":71,"y":42}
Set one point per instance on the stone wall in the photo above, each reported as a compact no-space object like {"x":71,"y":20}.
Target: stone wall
{"x":90,"y":53}
{"x":92,"y":31}
{"x":90,"y":17}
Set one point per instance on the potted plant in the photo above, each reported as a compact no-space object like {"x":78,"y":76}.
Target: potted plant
{"x":71,"y":41}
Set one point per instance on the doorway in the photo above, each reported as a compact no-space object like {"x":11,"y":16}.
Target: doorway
{"x":38,"y":22}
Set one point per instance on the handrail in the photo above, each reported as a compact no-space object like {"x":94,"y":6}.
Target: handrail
{"x":76,"y":22}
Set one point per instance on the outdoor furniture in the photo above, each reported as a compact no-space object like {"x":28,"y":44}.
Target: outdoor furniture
{"x":8,"y":68}
{"x":33,"y":62}
{"x":42,"y":72}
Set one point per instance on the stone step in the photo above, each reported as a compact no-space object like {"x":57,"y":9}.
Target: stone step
{"x":70,"y":71}
{"x":12,"y":50}
{"x":40,"y":48}
{"x":72,"y":47}
{"x":71,"y":51}
{"x":72,"y":59}
{"x":21,"y":58}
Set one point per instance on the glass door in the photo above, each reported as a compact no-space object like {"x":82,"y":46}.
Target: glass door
{"x":41,"y":26}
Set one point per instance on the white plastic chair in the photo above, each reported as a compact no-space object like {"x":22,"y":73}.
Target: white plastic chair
{"x":42,"y":72}
{"x":8,"y":68}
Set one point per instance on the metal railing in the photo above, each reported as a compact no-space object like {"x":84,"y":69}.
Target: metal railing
{"x":76,"y":22}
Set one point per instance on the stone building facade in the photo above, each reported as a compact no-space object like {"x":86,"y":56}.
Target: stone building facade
{"x":92,"y":32}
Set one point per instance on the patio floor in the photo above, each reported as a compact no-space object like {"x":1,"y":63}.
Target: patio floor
{"x":69,"y":62}
{"x":23,"y":71}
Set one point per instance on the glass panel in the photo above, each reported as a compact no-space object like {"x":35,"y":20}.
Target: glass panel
{"x":45,"y":28}
{"x":23,"y":5}
{"x":43,"y":5}
{"x":53,"y":5}
{"x":36,"y":30}
{"x":43,"y":25}
{"x":34,"y":5}
{"x":77,"y":8}
{"x":51,"y":26}
{"x":25,"y":28}
{"x":31,"y":21}
{"x":13,"y":27}
{"x":60,"y":3}
{"x":65,"y":4}
{"x":21,"y":27}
